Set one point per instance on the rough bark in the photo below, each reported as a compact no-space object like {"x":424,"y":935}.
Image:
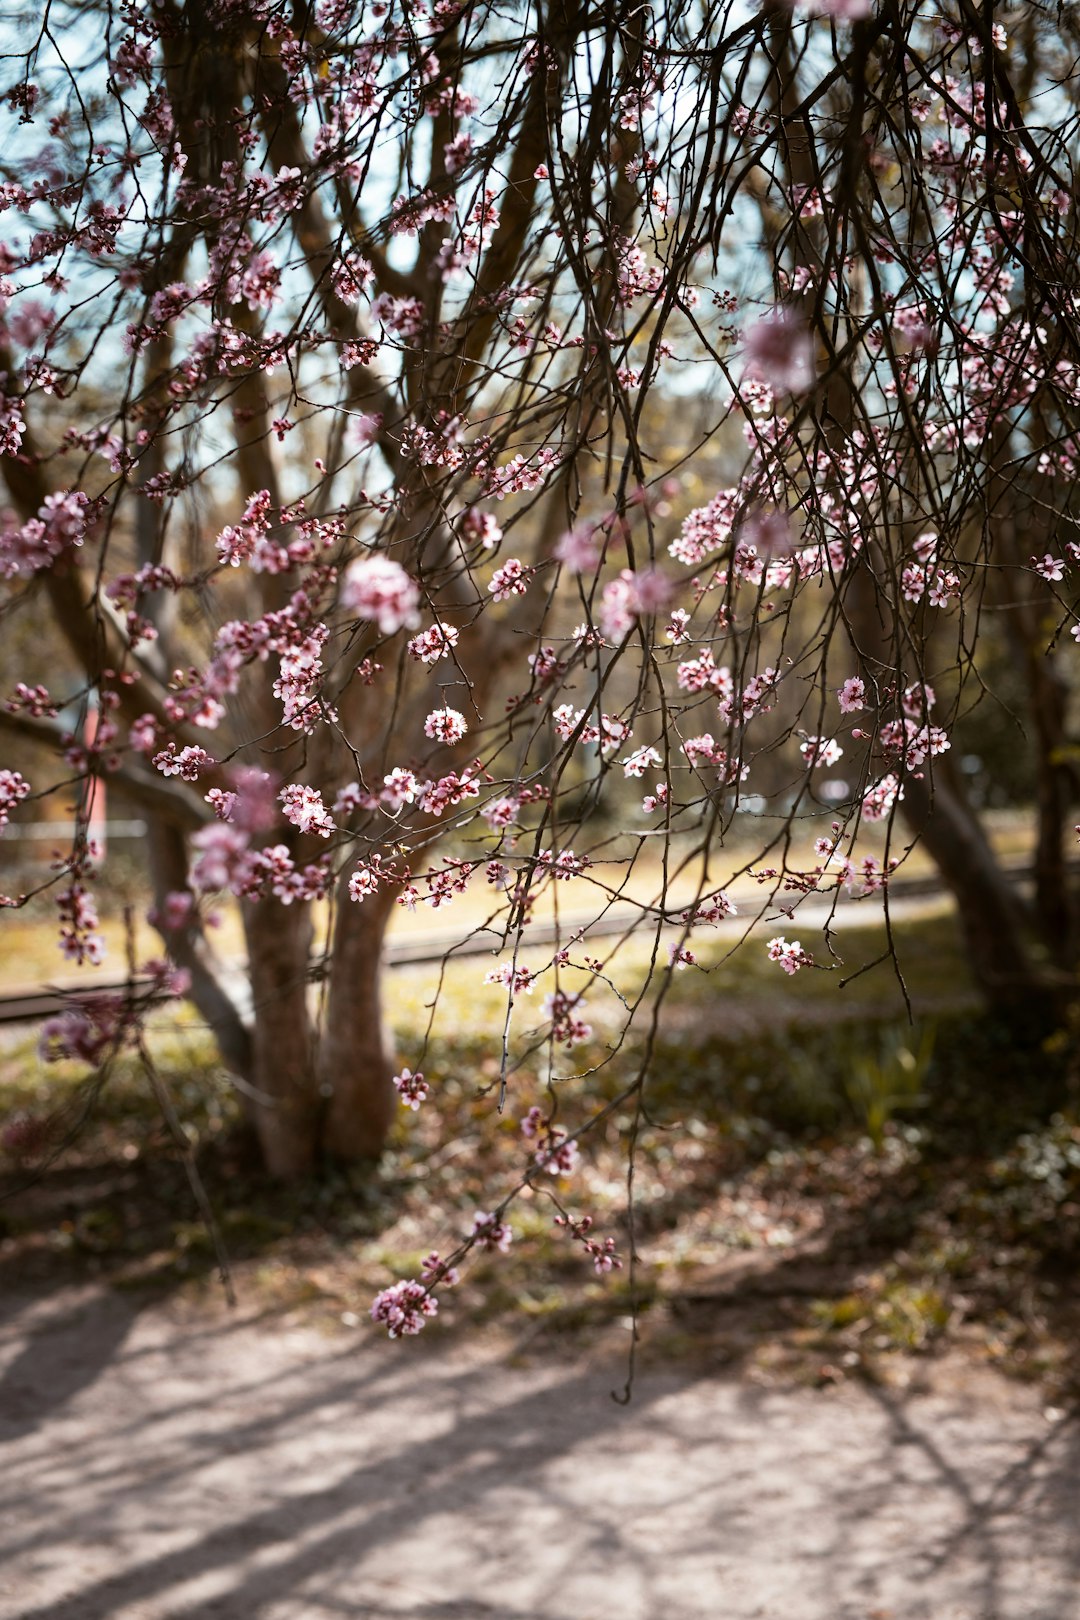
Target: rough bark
{"x":285,"y":1105}
{"x":355,"y":1062}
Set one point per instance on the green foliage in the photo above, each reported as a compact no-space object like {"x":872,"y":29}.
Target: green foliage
{"x":891,"y":1312}
{"x":890,"y":1080}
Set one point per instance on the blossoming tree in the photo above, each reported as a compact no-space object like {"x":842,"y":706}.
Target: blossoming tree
{"x":355,"y":361}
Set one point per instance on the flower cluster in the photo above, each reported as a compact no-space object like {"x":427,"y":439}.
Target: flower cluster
{"x":403,"y":1308}
{"x":13,"y":789}
{"x":602,"y":1253}
{"x":491,"y":1233}
{"x":412,"y":1089}
{"x":303,"y":806}
{"x":445,"y":725}
{"x":379,"y":589}
{"x":789,"y":953}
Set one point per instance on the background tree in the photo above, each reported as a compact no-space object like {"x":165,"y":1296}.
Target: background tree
{"x":358,"y":364}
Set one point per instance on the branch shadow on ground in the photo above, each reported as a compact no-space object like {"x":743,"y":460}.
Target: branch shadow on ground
{"x":331,"y":1483}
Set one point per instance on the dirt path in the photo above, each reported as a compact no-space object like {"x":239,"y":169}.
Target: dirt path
{"x":164,"y":1463}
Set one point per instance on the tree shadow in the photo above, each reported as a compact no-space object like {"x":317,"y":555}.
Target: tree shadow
{"x":26,"y":1405}
{"x":261,"y":1474}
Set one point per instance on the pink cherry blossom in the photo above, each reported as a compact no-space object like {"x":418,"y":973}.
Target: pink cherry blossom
{"x":326,"y":404}
{"x":378,"y":588}
{"x":842,"y":10}
{"x":403,"y":1308}
{"x":824,"y":751}
{"x":577,"y":549}
{"x":445,"y":725}
{"x":779,"y":350}
{"x":512,"y":579}
{"x":489,"y":1232}
{"x":13,"y":789}
{"x":852,"y":695}
{"x":437,"y":642}
{"x":303,"y":806}
{"x":789,"y":953}
{"x":412,"y":1089}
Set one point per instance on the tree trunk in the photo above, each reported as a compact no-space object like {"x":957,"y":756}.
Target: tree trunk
{"x":1022,"y":522}
{"x":190,"y":949}
{"x":939,"y":813}
{"x":285,"y":1111}
{"x":1053,"y":798}
{"x":935,"y":805}
{"x":355,"y":1058}
{"x":990,"y":912}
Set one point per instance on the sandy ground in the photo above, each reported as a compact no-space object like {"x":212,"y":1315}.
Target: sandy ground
{"x":160,"y":1461}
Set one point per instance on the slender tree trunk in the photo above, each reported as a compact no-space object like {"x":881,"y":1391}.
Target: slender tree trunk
{"x":167,"y":855}
{"x":1021,"y":527}
{"x":191,"y":950}
{"x":355,"y":1057}
{"x":286,"y":1108}
{"x":989,"y":910}
{"x":937,"y":809}
{"x":935,"y":805}
{"x":1053,"y":796}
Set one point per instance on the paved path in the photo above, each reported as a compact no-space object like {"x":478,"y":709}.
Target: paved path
{"x":158,"y":1463}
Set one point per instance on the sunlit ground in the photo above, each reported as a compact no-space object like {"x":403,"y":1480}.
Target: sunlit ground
{"x":625,"y":873}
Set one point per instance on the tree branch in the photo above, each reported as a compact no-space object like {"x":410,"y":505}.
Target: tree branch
{"x":158,"y":794}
